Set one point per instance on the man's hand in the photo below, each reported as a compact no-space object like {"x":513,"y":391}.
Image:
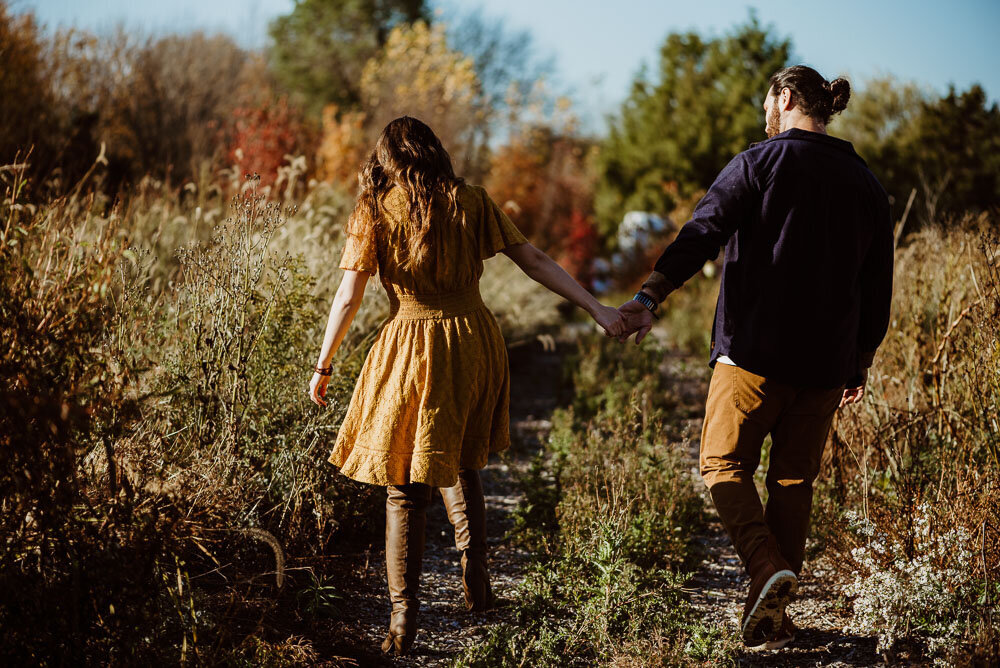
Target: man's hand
{"x":853,"y":395}
{"x":638,"y":320}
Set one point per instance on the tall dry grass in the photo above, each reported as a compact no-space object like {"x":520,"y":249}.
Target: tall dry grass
{"x":162,"y":466}
{"x":911,"y":504}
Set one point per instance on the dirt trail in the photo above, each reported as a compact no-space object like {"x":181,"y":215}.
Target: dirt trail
{"x":445,"y":627}
{"x":719,"y":585}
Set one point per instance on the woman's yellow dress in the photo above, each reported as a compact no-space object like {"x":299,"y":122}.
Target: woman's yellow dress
{"x":433,"y":395}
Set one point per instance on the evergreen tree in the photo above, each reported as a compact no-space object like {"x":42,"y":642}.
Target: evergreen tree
{"x":953,"y":151}
{"x":677,"y":131}
{"x":878,"y":120}
{"x":947,"y":148}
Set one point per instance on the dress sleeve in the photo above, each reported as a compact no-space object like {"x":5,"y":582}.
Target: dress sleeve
{"x":497,"y":231}
{"x":359,"y":250}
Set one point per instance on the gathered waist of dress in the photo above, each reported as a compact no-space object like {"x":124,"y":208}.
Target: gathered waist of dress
{"x":436,"y":306}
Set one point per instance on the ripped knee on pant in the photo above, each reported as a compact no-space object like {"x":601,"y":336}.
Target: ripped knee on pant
{"x":789,"y":482}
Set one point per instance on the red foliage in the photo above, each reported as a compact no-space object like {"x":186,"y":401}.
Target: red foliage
{"x":264,"y":134}
{"x":581,"y":247}
{"x":544,"y":181}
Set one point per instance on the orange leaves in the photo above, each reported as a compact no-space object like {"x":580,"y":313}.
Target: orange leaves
{"x":343,"y":146}
{"x":544,"y":181}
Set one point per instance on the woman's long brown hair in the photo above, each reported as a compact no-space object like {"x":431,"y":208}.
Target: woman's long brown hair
{"x":410,"y":155}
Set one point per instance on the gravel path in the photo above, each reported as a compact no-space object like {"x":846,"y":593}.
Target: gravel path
{"x":717,"y":588}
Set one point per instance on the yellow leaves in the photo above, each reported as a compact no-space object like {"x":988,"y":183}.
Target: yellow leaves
{"x":417,"y":74}
{"x":343,"y":146}
{"x":416,"y":64}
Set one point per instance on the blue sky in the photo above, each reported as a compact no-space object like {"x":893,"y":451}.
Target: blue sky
{"x":599,"y":46}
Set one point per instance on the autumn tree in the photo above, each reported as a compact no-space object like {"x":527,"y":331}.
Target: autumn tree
{"x":544,"y":178}
{"x":320,"y":48}
{"x":343,"y":147}
{"x":418,"y":74}
{"x":262,"y":135}
{"x":683,"y":124}
{"x":25,"y":100}
{"x":167,"y":114}
{"x":156,"y":104}
{"x":415,"y":74}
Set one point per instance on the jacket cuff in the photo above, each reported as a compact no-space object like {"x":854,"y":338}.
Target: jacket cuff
{"x":658,"y":286}
{"x":860,"y":376}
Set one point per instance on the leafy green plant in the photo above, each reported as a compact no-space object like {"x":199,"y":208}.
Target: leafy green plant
{"x":320,"y":598}
{"x":608,"y":513}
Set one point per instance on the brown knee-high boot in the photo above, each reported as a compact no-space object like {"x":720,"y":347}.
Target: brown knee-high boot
{"x":467,"y":512}
{"x":405,"y":524}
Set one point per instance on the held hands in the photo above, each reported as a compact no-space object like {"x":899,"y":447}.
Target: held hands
{"x":611,"y":320}
{"x":638,"y":320}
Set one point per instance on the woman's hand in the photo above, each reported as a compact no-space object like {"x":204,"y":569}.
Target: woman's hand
{"x":610,"y":319}
{"x":852,"y":395}
{"x":317,"y":388}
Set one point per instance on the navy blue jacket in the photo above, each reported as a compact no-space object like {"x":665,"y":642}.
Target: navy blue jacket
{"x":807,"y":280}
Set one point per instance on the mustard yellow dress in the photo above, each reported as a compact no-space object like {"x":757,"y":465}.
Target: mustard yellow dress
{"x":433,"y":394}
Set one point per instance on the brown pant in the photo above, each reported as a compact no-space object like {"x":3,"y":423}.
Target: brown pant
{"x":742,"y":409}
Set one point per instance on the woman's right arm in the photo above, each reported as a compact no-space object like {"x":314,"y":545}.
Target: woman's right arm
{"x":345,"y":306}
{"x":547,"y":272}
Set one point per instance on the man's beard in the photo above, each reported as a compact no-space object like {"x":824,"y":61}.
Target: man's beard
{"x":772,"y":121}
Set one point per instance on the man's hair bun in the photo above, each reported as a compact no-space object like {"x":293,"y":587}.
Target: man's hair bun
{"x":840,"y":88}
{"x":814,"y":95}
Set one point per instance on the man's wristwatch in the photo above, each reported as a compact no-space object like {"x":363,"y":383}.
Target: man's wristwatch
{"x":647,"y":301}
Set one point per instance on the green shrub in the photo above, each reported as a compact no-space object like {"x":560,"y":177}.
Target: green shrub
{"x":608,"y":513}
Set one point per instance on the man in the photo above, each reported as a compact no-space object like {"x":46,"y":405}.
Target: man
{"x":803,"y":305}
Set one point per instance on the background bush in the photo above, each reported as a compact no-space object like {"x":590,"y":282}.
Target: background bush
{"x":911,"y":500}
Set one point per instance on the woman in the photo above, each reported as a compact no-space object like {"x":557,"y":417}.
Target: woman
{"x":431,"y":401}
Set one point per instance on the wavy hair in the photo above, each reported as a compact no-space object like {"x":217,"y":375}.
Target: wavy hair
{"x":410,"y":155}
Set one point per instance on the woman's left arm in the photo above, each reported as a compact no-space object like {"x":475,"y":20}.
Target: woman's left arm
{"x":546,"y":271}
{"x":345,"y":307}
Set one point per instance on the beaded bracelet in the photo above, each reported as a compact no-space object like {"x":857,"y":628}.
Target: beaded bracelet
{"x":324,"y":371}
